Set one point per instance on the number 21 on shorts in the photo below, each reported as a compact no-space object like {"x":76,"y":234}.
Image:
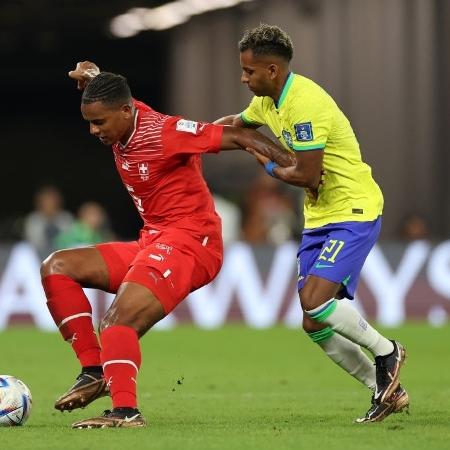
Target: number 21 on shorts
{"x":330,"y":252}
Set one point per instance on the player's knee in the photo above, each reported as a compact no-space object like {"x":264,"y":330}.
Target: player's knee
{"x":57,"y":263}
{"x":309,"y":325}
{"x":309,"y":299}
{"x":140,"y":319}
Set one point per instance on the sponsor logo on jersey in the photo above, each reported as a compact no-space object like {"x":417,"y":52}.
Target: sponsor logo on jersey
{"x":287,"y":138}
{"x":304,"y":131}
{"x":188,"y":126}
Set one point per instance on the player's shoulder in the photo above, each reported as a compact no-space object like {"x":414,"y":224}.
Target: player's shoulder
{"x":141,"y":106}
{"x":307,"y":94}
{"x":305,"y":87}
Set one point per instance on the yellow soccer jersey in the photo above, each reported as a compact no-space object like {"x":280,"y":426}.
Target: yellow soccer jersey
{"x":307,"y":118}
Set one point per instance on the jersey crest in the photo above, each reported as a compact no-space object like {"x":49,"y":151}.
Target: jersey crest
{"x":304,"y":131}
{"x":143,"y":171}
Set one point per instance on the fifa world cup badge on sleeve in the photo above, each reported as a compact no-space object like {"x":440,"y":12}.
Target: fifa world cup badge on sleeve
{"x":187,"y":126}
{"x":287,"y":138}
{"x":304,"y":131}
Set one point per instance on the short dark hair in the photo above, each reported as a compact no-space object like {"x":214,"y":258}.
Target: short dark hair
{"x":267,"y":40}
{"x":109,"y":88}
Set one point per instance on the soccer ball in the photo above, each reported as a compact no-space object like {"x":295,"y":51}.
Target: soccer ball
{"x":15,"y":401}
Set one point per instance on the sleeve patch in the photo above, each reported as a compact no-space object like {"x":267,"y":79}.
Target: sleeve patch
{"x":188,"y":126}
{"x":304,"y":131}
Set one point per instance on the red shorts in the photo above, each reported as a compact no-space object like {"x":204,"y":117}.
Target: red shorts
{"x":171,"y":263}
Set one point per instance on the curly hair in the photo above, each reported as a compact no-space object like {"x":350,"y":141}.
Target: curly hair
{"x":267,"y":40}
{"x":109,"y":88}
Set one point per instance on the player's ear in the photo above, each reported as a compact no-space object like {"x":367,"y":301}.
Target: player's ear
{"x":127,"y":111}
{"x":273,"y":71}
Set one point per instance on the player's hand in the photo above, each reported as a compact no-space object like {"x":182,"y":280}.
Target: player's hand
{"x":263,"y":160}
{"x":85,"y":72}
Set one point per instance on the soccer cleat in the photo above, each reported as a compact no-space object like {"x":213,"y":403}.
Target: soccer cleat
{"x":378,"y":411}
{"x":401,"y":400}
{"x":88,"y":387}
{"x":387,"y":372}
{"x":114,"y":419}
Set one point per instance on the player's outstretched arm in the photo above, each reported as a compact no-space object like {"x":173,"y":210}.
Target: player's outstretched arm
{"x":246,"y":138}
{"x":84,"y":72}
{"x":234,"y":120}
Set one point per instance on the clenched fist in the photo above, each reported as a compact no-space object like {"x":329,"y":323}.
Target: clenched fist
{"x":84,"y":73}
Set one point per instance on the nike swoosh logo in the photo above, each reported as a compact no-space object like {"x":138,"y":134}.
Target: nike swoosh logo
{"x":376,"y":394}
{"x":321,"y":266}
{"x":129,"y":419}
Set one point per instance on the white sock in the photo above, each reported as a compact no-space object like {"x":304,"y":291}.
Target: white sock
{"x":346,"y":320}
{"x":347,"y":355}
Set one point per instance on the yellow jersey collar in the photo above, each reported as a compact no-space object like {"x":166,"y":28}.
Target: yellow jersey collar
{"x":284,"y":91}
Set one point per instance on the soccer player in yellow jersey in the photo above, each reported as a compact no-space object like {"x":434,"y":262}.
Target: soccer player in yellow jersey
{"x":342,"y":209}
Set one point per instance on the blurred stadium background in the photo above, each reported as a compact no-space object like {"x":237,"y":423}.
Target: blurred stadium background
{"x":386,"y":62}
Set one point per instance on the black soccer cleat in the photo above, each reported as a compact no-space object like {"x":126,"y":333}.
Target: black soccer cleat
{"x":378,"y":411}
{"x":401,"y":399}
{"x":118,"y":417}
{"x":88,"y":387}
{"x":387,"y":372}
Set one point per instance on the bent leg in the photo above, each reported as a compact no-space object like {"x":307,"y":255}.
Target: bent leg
{"x":134,"y":311}
{"x":338,"y":348}
{"x":64,"y":273}
{"x":320,"y":304}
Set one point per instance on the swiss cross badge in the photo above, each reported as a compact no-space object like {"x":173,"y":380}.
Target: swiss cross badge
{"x":143,"y":171}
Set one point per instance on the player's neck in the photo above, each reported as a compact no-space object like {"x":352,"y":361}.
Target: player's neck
{"x":279,"y":86}
{"x":126,"y":137}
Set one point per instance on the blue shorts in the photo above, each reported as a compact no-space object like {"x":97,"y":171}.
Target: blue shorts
{"x":337,"y":253}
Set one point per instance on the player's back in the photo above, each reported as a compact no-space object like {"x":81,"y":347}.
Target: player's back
{"x":349,"y":192}
{"x":306,"y":118}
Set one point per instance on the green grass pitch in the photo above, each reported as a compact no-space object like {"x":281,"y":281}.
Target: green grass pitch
{"x":235,"y":388}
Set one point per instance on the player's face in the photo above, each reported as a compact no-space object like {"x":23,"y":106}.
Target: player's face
{"x":109,"y":124}
{"x":257,"y":73}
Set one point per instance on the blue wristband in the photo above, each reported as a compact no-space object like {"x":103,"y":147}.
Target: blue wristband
{"x":269,"y":166}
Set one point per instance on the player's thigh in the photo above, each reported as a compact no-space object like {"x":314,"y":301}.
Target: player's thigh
{"x":117,"y":257}
{"x":173,"y":266}
{"x":307,"y":253}
{"x":134,"y":306}
{"x":317,"y":291}
{"x":313,"y":290}
{"x":84,"y":265}
{"x":344,"y":252}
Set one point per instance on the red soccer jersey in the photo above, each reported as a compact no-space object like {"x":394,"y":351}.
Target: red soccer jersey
{"x":161,"y":168}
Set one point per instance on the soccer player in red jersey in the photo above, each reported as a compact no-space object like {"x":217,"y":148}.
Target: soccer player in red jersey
{"x":179,"y":248}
